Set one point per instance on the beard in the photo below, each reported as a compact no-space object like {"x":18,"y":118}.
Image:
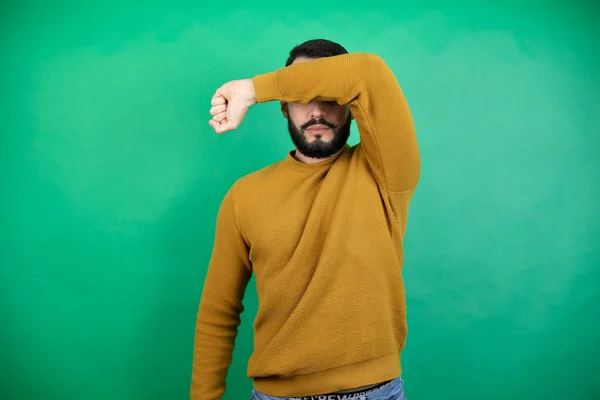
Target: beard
{"x":319,"y":148}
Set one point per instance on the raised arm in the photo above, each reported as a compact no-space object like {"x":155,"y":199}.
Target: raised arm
{"x":367,"y":84}
{"x":220,"y":306}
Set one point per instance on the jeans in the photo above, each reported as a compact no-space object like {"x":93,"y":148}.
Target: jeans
{"x":392,"y":391}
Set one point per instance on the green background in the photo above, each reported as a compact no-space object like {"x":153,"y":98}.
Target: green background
{"x":111,"y":179}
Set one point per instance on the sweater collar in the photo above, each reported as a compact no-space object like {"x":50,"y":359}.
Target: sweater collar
{"x":304,"y":167}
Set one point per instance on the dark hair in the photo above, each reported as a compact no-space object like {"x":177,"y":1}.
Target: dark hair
{"x":315,"y":48}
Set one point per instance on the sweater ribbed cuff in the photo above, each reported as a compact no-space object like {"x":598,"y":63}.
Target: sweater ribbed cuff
{"x":265,"y":87}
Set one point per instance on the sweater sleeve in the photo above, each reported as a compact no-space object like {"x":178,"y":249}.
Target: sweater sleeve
{"x":367,"y":84}
{"x":220,"y":306}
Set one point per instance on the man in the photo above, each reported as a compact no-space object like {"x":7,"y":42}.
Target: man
{"x":321,"y":231}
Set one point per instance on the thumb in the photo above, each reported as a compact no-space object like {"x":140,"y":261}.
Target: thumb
{"x":222,"y":127}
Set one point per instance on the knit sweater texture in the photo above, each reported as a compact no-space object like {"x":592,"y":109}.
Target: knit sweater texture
{"x":324,"y":242}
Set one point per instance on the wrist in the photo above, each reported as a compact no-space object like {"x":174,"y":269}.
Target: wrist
{"x":249,"y":92}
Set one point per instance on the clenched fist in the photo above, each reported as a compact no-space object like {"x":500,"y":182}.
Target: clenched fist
{"x":230,"y":104}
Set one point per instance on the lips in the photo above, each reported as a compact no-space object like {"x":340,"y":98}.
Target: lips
{"x":318,"y":126}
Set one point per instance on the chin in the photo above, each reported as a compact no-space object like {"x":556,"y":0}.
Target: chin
{"x":323,"y":138}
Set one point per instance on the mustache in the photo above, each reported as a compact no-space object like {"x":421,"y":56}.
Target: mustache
{"x":318,"y":121}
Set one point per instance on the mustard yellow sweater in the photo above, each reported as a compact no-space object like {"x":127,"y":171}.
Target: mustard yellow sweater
{"x":324,"y":242}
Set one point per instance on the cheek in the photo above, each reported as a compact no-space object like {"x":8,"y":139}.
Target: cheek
{"x":297,"y":115}
{"x":340,"y":115}
{"x":295,"y":110}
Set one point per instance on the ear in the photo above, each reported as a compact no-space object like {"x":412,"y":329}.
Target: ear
{"x":284,"y":109}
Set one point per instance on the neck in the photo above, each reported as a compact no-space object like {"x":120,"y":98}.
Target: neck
{"x":311,"y":160}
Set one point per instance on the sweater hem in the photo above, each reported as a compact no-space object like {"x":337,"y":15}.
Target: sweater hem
{"x":332,"y":380}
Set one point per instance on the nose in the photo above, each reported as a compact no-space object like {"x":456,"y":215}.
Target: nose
{"x":317,"y":109}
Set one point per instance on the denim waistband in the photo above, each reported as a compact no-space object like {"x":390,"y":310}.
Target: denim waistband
{"x":347,"y":395}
